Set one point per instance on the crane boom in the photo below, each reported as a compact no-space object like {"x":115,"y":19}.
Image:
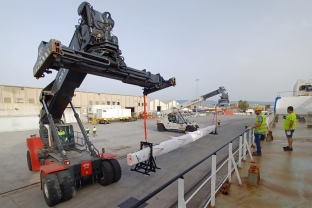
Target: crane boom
{"x":224,"y":98}
{"x":92,"y":50}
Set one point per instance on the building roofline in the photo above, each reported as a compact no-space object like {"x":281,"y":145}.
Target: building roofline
{"x":40,"y":88}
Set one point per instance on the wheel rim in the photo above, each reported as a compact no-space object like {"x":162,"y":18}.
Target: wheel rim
{"x":45,"y":189}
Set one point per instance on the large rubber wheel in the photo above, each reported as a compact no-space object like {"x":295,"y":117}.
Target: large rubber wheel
{"x":29,"y":161}
{"x":51,"y":189}
{"x":107,"y":174}
{"x":67,"y":184}
{"x":190,"y":128}
{"x":160,"y":127}
{"x":116,"y":169}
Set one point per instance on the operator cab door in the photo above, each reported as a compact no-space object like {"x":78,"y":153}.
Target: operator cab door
{"x":180,"y":122}
{"x":66,"y":137}
{"x":175,"y":122}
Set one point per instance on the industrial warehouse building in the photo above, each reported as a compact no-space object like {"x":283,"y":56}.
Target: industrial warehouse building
{"x":158,"y":105}
{"x":20,"y":106}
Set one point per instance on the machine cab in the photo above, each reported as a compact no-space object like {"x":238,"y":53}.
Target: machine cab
{"x":223,"y":102}
{"x":65,"y":133}
{"x":176,"y":118}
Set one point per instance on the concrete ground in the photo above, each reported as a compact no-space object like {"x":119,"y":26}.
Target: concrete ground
{"x":285,"y":177}
{"x":120,"y":138}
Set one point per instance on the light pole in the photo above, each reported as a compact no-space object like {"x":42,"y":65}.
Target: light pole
{"x":196,"y":91}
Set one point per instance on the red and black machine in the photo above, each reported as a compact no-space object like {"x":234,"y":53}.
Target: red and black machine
{"x":64,"y":162}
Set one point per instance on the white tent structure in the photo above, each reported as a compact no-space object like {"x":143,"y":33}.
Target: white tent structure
{"x":302,"y":105}
{"x":301,"y":99}
{"x":303,"y":88}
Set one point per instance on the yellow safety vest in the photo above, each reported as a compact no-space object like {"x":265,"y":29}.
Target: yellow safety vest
{"x":94,"y":129}
{"x":263,"y":127}
{"x":61,"y":133}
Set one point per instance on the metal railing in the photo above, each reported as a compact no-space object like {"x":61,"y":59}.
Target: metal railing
{"x":244,"y":144}
{"x":79,"y":138}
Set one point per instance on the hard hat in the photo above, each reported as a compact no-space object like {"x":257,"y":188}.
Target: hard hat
{"x":258,"y":108}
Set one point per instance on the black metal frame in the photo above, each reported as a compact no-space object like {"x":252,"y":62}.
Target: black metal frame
{"x":215,"y":132}
{"x":54,"y":132}
{"x":92,"y":50}
{"x":148,"y":165}
{"x":60,"y":147}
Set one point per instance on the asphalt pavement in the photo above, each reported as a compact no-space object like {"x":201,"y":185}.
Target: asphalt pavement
{"x":20,"y":188}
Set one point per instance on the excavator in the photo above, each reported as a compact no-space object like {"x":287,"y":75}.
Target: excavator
{"x":64,"y":162}
{"x":175,"y":121}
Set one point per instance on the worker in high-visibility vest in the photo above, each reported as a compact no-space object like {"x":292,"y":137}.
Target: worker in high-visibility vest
{"x":289,"y":127}
{"x":94,"y":132}
{"x":246,"y":125}
{"x":260,"y":129}
{"x":187,"y":119}
{"x":219,"y":122}
{"x":62,"y":135}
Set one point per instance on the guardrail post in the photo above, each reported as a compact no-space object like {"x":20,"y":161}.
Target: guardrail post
{"x":213,"y":179}
{"x":244,"y":146}
{"x":252,"y":137}
{"x":249,"y":137}
{"x":240,"y":151}
{"x":230,"y":163}
{"x":236,"y":170}
{"x":181,"y":201}
{"x":248,"y":148}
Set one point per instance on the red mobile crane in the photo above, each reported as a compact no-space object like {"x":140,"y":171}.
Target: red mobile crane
{"x":63,"y":163}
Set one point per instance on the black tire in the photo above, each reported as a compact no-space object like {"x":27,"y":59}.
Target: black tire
{"x":190,"y":128}
{"x":107,"y":174}
{"x":51,"y":189}
{"x":160,"y":127}
{"x":116,"y":169}
{"x":29,"y":161}
{"x":67,"y":184}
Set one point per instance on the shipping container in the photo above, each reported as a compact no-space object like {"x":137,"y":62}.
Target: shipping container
{"x":228,"y":112}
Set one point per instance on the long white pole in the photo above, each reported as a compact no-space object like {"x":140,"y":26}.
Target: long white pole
{"x":167,"y":146}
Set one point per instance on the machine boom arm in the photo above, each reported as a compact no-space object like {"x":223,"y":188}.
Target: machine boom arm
{"x":93,"y":50}
{"x":224,"y":99}
{"x":52,"y":55}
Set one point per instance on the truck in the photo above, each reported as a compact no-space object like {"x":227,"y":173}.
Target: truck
{"x":105,"y":115}
{"x":175,"y":121}
{"x":64,"y":163}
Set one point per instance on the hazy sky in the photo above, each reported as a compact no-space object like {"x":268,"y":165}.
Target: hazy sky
{"x":253,"y":48}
